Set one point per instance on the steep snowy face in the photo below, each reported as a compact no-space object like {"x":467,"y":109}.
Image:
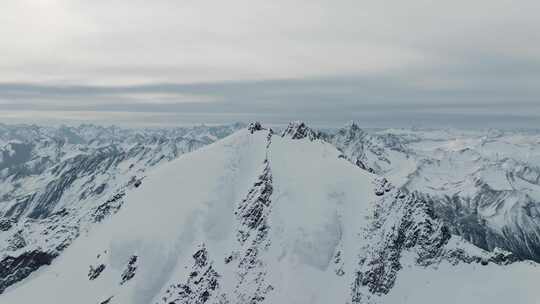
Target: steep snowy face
{"x":484,"y":185}
{"x":260,"y":218}
{"x":56,"y":183}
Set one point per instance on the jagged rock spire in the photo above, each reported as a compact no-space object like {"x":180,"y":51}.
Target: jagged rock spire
{"x":352,"y":130}
{"x":352,"y":125}
{"x":255,"y":126}
{"x":299,"y":130}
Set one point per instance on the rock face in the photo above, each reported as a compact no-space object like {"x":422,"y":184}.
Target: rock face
{"x":416,"y":229}
{"x":299,"y":130}
{"x":520,"y":233}
{"x":405,"y":223}
{"x":254,"y":127}
{"x":201,"y":284}
{"x":252,"y":219}
{"x":370,"y":152}
{"x":130,"y":270}
{"x":484,"y":186}
{"x":59,"y":182}
{"x":15,"y":269}
{"x":253,"y":215}
{"x":95,"y":272}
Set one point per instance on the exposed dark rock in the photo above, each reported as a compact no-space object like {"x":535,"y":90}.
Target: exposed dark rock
{"x":365,"y":150}
{"x":256,"y":206}
{"x":498,"y":256}
{"x":94,"y":272}
{"x":252,"y":214}
{"x":338,"y":262}
{"x":229,"y":259}
{"x":416,"y":228}
{"x":362,"y":165}
{"x":254,"y":127}
{"x":402,"y":222}
{"x":6,"y":224}
{"x":16,"y":241}
{"x":130,"y":270}
{"x":15,"y":269}
{"x":382,"y":186}
{"x":299,"y":130}
{"x":68,"y":172}
{"x":202,"y":282}
{"x":461,"y":215}
{"x":107,"y":301}
{"x":100,"y":189}
{"x":111,"y":206}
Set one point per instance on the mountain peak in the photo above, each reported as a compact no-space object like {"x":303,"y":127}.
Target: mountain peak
{"x":353,"y":125}
{"x":352,"y":130}
{"x":299,"y":130}
{"x":254,"y":127}
{"x":253,"y":218}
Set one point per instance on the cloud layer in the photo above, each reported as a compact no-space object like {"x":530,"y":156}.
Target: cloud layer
{"x":328,"y":61}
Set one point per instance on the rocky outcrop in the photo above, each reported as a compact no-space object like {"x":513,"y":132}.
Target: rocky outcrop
{"x":401,"y":222}
{"x":463,"y":217}
{"x":15,"y":269}
{"x":365,"y":150}
{"x":94,"y":272}
{"x":254,"y":127}
{"x":252,"y":235}
{"x":253,"y":239}
{"x":406,"y":224}
{"x":109,"y":207}
{"x":201,"y":284}
{"x":454,"y":172}
{"x":130,"y":270}
{"x":299,"y":130}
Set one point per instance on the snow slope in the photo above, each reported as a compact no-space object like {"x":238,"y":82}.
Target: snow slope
{"x":56,"y":183}
{"x":260,"y":218}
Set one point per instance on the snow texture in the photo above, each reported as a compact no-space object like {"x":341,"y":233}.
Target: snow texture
{"x":261,"y":218}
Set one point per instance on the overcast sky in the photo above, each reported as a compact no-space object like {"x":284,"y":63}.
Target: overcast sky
{"x":163,"y":62}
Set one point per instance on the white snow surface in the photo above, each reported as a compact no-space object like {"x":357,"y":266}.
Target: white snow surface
{"x":466,"y":283}
{"x":319,"y":203}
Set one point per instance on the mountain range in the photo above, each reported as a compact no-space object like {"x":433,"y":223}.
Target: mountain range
{"x":247,"y":214}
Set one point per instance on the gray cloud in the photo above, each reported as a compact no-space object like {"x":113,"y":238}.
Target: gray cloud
{"x":323,"y":101}
{"x":399,"y":63}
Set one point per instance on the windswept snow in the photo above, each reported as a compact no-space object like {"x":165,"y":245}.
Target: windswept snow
{"x":446,"y":283}
{"x":260,"y":218}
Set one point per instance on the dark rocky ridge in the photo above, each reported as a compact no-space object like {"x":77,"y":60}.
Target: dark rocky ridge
{"x":299,"y":130}
{"x":460,"y":213}
{"x":15,"y":269}
{"x":252,"y":215}
{"x":417,"y":230}
{"x":201,"y":284}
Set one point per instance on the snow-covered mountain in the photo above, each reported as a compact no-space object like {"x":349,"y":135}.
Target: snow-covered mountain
{"x":485,"y":185}
{"x":55,"y":183}
{"x":260,"y":217}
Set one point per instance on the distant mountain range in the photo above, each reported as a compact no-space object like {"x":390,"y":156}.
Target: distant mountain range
{"x":245,"y":214}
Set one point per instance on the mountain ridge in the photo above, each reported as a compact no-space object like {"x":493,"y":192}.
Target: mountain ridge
{"x":258,"y":217}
